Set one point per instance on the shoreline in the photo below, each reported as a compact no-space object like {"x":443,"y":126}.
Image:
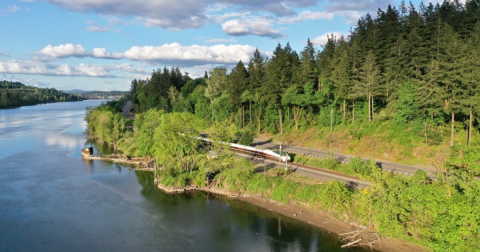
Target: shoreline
{"x":301,"y":213}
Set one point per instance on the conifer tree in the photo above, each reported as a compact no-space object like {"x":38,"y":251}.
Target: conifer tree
{"x":341,"y":78}
{"x":370,"y":82}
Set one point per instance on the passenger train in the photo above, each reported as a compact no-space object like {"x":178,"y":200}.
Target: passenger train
{"x":276,"y":155}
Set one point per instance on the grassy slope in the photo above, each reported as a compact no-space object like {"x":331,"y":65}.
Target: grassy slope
{"x":385,"y":141}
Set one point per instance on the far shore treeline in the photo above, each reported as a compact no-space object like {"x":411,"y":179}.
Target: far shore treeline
{"x":402,"y":86}
{"x":15,"y":94}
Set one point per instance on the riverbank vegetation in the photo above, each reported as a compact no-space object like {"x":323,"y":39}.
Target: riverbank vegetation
{"x":15,"y":94}
{"x":402,"y":86}
{"x":438,"y":214}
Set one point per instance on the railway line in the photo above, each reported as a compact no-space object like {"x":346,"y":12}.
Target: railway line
{"x":345,"y":158}
{"x":320,"y":174}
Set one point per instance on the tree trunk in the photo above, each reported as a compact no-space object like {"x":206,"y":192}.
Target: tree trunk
{"x":280,"y":119}
{"x":288,"y":115}
{"x":296,"y":116}
{"x":250,"y":118}
{"x":451,"y":131}
{"x":344,"y":109}
{"x":259,"y":120}
{"x":470,"y":128}
{"x":369,"y":108}
{"x":373,"y":110}
{"x":243,"y":117}
{"x":331,"y":120}
{"x":353,"y":111}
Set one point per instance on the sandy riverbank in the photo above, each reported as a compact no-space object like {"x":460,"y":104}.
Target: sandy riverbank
{"x":301,"y":213}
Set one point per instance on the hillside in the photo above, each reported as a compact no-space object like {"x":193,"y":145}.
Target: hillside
{"x":15,"y":94}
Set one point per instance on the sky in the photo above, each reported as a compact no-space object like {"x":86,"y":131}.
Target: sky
{"x":105,"y":44}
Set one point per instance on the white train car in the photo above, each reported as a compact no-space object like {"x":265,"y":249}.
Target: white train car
{"x":267,"y":153}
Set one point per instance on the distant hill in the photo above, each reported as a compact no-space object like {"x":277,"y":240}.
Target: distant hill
{"x":99,"y":94}
{"x":15,"y":94}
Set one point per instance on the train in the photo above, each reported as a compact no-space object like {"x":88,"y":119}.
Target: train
{"x":276,"y":155}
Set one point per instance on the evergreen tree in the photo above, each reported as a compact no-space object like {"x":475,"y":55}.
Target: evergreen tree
{"x":370,"y":82}
{"x":341,"y":78}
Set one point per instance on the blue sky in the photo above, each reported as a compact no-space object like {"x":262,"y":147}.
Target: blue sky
{"x":105,"y":44}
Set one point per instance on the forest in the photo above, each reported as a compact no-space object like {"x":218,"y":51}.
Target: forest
{"x":415,"y":68}
{"x":413,"y":72}
{"x":15,"y":94}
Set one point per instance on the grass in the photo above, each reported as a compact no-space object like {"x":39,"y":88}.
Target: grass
{"x":384,"y":140}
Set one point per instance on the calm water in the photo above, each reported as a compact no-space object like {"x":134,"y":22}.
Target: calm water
{"x":52,"y":200}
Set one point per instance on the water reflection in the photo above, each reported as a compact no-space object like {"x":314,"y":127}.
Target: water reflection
{"x":52,"y":200}
{"x":228,"y":220}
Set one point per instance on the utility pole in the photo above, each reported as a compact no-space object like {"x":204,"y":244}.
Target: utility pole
{"x":280,"y":153}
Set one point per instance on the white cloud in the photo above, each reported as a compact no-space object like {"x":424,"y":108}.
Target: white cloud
{"x":4,"y":54}
{"x":63,"y":51}
{"x":167,"y":53}
{"x":224,"y":16}
{"x":322,"y":39}
{"x":195,"y":54}
{"x":102,"y":53}
{"x":259,"y":27}
{"x":127,"y":68}
{"x":91,"y":70}
{"x":39,"y":68}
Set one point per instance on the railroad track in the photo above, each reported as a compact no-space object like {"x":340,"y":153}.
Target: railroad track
{"x":321,"y":174}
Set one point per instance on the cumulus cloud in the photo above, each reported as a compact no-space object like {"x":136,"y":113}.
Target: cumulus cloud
{"x":322,"y":39}
{"x":102,"y":53}
{"x":127,"y":68}
{"x":260,"y":27}
{"x":195,"y":54}
{"x":38,"y":68}
{"x":174,"y":52}
{"x":63,"y":51}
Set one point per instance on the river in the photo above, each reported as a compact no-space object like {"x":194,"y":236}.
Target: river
{"x":52,"y":200}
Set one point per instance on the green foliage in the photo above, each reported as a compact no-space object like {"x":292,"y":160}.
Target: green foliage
{"x":145,"y":126}
{"x":14,"y":94}
{"x":236,"y":178}
{"x":360,"y":167}
{"x":465,"y":161}
{"x":283,"y":191}
{"x":175,"y":145}
{"x":246,"y":136}
{"x":407,"y":108}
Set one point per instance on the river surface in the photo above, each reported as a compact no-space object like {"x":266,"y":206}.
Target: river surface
{"x":52,"y":200}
